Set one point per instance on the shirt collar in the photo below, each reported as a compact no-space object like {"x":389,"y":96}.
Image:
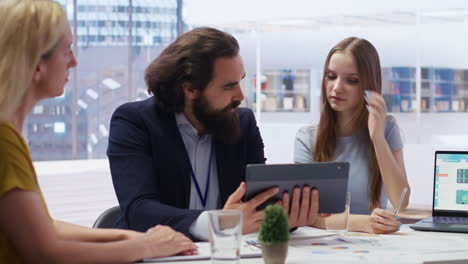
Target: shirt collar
{"x":184,"y":125}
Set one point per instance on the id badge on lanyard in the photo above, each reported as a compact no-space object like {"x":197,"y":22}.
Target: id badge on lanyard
{"x":203,"y":198}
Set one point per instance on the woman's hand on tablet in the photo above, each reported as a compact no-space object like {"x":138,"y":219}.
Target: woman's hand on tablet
{"x":304,"y":212}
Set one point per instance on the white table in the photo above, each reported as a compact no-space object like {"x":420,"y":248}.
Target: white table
{"x":405,"y":246}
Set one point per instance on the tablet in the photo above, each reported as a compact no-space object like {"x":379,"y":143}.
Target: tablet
{"x":330,"y":178}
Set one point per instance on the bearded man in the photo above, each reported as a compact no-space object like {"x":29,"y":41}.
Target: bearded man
{"x":185,"y":149}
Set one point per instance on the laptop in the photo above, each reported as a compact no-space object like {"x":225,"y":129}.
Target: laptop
{"x":450,"y":197}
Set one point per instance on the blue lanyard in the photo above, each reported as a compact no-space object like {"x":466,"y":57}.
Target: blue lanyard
{"x":203,"y":198}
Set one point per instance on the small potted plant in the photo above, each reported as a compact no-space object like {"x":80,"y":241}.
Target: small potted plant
{"x":274,"y":235}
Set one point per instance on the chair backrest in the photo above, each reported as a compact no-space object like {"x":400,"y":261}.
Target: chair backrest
{"x":108,"y":218}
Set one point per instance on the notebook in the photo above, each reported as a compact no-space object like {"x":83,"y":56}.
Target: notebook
{"x":450,"y":197}
{"x":248,"y":250}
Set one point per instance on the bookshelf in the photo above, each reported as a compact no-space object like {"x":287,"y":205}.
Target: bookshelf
{"x":442,"y":89}
{"x":460,"y":96}
{"x":284,"y":90}
{"x":399,"y":89}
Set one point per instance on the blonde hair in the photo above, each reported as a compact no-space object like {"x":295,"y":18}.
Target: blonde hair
{"x":30,"y":30}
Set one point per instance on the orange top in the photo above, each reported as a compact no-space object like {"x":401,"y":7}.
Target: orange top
{"x":16,"y":172}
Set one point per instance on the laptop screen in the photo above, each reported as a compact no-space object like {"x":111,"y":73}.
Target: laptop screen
{"x":451,"y":181}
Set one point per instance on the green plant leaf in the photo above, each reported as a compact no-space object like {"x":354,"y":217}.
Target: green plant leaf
{"x":274,"y":227}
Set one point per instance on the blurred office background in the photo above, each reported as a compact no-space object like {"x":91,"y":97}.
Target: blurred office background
{"x":422,"y":46}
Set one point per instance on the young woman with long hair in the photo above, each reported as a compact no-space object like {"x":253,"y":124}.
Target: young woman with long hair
{"x":354,"y":127}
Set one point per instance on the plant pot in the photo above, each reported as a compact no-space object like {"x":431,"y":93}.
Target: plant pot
{"x":275,"y":253}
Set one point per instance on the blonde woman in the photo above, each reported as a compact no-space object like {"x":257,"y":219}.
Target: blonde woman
{"x":35,"y":41}
{"x":354,"y":127}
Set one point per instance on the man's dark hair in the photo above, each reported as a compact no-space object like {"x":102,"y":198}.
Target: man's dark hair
{"x":190,"y":58}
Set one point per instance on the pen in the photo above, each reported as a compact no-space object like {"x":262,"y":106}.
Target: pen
{"x":402,"y":196}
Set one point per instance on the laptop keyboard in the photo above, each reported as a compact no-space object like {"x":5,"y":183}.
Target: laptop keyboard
{"x":449,"y":220}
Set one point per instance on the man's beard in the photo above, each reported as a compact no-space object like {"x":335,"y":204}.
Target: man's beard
{"x":221,"y":124}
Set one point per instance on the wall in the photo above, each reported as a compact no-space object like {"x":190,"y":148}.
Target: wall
{"x":440,"y":45}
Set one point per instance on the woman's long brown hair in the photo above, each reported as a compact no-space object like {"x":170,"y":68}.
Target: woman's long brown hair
{"x":368,"y":65}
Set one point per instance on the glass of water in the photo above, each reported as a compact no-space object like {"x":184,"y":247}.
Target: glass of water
{"x":339,"y":223}
{"x":225,"y":235}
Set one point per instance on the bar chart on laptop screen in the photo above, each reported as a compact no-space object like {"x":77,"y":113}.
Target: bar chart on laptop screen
{"x":451,"y":182}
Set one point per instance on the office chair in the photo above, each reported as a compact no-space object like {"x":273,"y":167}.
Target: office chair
{"x":108,"y":218}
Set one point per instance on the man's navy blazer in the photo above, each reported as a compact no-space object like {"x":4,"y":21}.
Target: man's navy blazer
{"x":151,"y":169}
